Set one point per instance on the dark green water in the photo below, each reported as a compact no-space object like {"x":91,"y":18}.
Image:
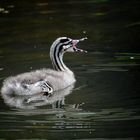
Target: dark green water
{"x":105,"y":102}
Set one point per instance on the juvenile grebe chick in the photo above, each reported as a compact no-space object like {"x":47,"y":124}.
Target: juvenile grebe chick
{"x":45,"y":80}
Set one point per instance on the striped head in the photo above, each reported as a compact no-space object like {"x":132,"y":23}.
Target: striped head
{"x":65,"y":44}
{"x":59,"y":47}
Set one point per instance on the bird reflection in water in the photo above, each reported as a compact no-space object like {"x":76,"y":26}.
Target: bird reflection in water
{"x":57,"y":99}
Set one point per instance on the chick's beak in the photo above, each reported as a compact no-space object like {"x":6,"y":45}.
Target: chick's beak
{"x":74,"y":45}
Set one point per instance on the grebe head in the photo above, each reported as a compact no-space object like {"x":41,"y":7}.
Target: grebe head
{"x":65,"y":44}
{"x":59,"y":47}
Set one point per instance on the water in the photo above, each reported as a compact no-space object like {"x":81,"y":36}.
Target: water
{"x":104,"y":104}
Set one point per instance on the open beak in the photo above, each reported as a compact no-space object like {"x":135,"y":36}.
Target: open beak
{"x":75,"y":42}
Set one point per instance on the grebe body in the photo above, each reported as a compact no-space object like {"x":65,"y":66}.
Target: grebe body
{"x":45,"y":80}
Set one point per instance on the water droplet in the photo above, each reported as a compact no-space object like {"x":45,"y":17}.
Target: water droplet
{"x":84,"y":32}
{"x":131,"y":57}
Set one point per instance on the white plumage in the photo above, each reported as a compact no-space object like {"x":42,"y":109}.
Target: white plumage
{"x":45,"y":80}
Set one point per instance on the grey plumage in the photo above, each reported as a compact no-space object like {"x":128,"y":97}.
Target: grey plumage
{"x":45,"y":80}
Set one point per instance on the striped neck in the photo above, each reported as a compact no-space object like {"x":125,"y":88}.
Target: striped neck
{"x":56,"y":55}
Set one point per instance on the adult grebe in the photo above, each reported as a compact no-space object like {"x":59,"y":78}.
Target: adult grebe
{"x":45,"y":80}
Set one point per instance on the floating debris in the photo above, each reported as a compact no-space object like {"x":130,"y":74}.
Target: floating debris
{"x":42,"y":4}
{"x":3,"y":11}
{"x":84,"y":32}
{"x":10,"y":6}
{"x":31,"y":68}
{"x":132,"y":57}
{"x":1,"y":69}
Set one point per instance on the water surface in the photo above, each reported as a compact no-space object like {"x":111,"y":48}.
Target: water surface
{"x":104,"y":104}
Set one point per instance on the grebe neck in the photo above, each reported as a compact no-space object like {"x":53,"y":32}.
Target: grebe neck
{"x":56,"y":56}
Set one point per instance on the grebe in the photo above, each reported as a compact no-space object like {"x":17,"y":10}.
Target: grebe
{"x":46,"y":80}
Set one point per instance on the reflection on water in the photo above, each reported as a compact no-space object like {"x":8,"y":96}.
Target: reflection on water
{"x":105,"y":102}
{"x":57,"y":99}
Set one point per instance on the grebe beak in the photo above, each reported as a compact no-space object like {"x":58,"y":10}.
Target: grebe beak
{"x":75,"y":42}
